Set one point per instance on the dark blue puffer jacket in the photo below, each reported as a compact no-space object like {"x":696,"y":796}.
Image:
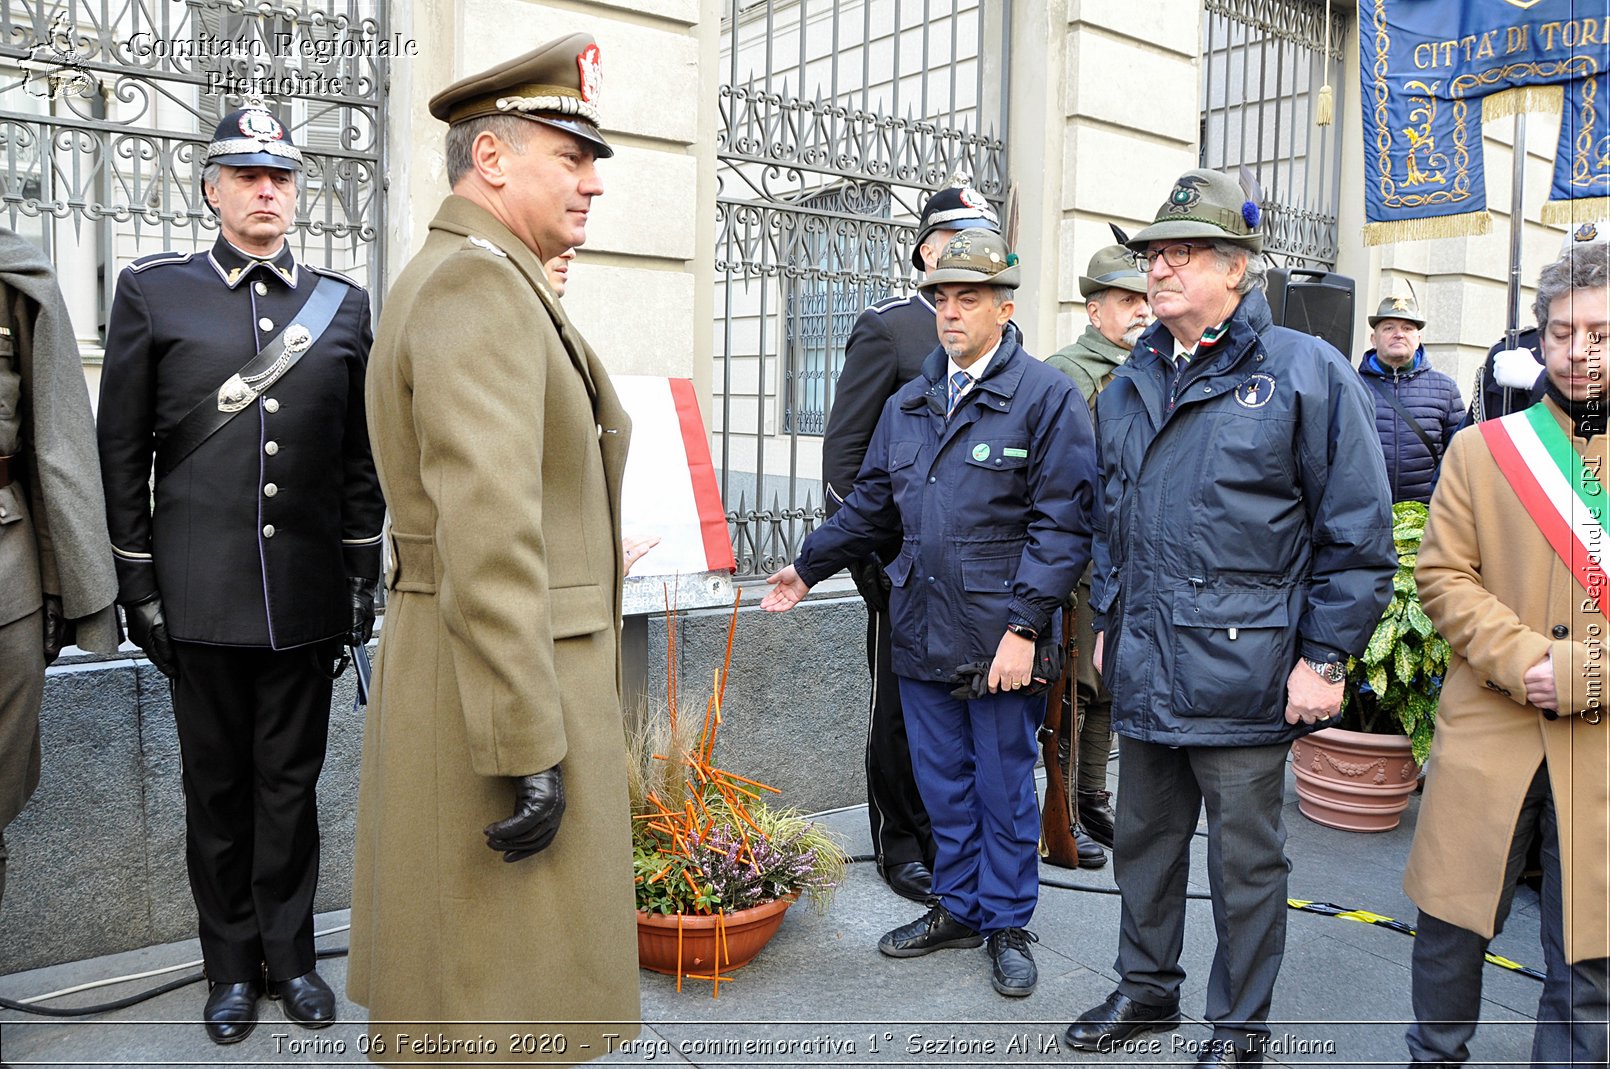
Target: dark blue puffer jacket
{"x":1433,"y":399}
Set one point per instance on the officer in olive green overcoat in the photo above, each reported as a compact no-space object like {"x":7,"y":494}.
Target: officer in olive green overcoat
{"x":500,"y":445}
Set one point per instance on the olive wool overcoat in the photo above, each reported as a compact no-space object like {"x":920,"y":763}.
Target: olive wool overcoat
{"x":500,"y":445}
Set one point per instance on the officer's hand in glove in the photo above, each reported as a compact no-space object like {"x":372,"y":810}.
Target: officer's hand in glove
{"x":539,"y":802}
{"x":55,"y":628}
{"x":363,"y":611}
{"x":149,"y":631}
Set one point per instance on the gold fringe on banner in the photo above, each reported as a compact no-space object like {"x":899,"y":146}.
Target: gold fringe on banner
{"x":1532,"y":99}
{"x":1463,"y":225}
{"x":1572,"y":212}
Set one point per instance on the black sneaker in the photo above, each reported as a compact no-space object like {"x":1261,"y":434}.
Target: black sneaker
{"x":934,"y":930}
{"x":1015,"y":972}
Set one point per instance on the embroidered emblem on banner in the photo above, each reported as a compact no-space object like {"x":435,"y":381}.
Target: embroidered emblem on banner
{"x":1256,"y":392}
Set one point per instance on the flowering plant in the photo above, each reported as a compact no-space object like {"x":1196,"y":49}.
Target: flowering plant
{"x":703,"y":838}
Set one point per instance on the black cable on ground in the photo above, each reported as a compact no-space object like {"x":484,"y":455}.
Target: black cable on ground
{"x":134,"y":999}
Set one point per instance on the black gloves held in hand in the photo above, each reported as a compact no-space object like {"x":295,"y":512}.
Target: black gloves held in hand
{"x":56,"y":628}
{"x":972,"y":680}
{"x":149,"y":631}
{"x":539,"y":803}
{"x":363,"y":611}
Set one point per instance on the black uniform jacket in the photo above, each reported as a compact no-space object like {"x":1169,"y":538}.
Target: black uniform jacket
{"x":885,"y":351}
{"x":254,"y":534}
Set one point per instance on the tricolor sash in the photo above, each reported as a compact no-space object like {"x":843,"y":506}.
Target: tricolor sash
{"x":1559,"y":493}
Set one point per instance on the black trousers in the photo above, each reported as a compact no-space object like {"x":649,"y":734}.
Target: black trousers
{"x":252,"y":727}
{"x":900,"y":829}
{"x":1161,"y":796}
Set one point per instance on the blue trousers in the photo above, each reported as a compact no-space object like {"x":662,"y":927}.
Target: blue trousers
{"x":974,"y":762}
{"x":1573,"y":1014}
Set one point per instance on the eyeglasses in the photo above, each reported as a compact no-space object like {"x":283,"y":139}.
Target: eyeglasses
{"x":1175,"y":255}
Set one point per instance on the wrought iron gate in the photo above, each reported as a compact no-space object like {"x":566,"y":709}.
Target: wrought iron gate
{"x":106,"y":107}
{"x":838,"y":117}
{"x":1263,"y":62}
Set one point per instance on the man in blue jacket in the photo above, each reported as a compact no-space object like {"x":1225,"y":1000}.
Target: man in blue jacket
{"x":1417,"y":407}
{"x":984,"y":467}
{"x":1243,"y":551}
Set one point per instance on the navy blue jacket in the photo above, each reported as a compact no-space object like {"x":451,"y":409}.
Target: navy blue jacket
{"x":254,"y":534}
{"x":1432,"y":398}
{"x":994,"y":509}
{"x":1246,"y":523}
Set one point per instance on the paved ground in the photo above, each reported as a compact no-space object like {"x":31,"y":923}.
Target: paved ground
{"x":820,"y":994}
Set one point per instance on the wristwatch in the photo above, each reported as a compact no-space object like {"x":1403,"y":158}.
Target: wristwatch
{"x":1024,"y":631}
{"x":1329,"y":671}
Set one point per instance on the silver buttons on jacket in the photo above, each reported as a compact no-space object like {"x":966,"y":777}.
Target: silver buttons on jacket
{"x":271,"y":405}
{"x":268,"y":530}
{"x":270,"y":489}
{"x":272,"y":448}
{"x":261,"y":288}
{"x":265,"y":324}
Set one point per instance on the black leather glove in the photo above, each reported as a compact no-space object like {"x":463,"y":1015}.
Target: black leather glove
{"x":972,"y":680}
{"x":148,"y":629}
{"x":363,"y":611}
{"x":873,"y":582}
{"x":539,"y":803}
{"x":56,"y":628}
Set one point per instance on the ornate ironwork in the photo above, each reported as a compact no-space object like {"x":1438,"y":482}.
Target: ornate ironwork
{"x":829,"y":143}
{"x":1264,"y":62}
{"x":106,"y":107}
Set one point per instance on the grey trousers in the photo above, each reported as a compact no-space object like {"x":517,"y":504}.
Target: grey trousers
{"x":1160,"y":798}
{"x":22,"y":685}
{"x":1448,"y":962}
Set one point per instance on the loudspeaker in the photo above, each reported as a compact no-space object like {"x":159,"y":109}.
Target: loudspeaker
{"x":1315,"y":302}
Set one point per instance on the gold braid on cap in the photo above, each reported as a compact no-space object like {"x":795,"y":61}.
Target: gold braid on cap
{"x":547,"y":98}
{"x":240,"y":145}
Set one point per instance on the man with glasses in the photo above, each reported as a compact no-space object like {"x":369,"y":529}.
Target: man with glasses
{"x":1245,"y":553}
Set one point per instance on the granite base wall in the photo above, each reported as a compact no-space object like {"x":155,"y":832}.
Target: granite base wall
{"x":97,"y":856}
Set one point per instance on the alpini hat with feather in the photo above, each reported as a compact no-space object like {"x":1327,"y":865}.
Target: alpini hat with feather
{"x":975,"y":255}
{"x":556,"y":84}
{"x":252,"y":137}
{"x":1208,"y":204}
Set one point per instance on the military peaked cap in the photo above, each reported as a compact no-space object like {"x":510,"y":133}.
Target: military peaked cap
{"x":556,"y":84}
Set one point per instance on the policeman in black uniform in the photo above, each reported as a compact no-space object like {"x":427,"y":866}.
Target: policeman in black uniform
{"x":885,"y":351}
{"x":240,"y":371}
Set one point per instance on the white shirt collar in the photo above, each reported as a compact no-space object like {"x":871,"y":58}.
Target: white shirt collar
{"x":975,"y":370}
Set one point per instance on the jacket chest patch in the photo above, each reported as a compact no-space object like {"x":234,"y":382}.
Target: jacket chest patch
{"x":981,"y":451}
{"x":1257,"y":391}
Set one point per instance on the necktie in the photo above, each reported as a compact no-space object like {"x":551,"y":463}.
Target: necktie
{"x":958,"y":387}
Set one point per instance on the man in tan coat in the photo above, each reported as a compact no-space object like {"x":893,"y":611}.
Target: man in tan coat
{"x":1511,"y":572}
{"x":500,"y":446}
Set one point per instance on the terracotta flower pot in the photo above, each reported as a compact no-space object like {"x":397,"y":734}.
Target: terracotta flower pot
{"x":747,"y":932}
{"x":1353,"y":780}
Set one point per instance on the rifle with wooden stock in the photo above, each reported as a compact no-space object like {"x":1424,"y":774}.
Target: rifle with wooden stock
{"x":1059,"y":745}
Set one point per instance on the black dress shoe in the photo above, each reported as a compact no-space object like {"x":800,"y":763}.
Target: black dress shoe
{"x":231,"y":1011}
{"x":910,"y":879}
{"x":934,"y":930}
{"x":1221,"y":1053}
{"x":1015,"y":972}
{"x":1091,"y":855}
{"x":306,"y":1000}
{"x":1095,"y":813}
{"x":1117,"y":1019}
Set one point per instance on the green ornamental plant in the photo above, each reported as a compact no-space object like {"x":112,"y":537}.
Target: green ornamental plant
{"x":1392,"y":689}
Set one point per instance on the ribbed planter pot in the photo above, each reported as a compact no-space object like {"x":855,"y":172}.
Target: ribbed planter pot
{"x":747,"y":931}
{"x":1353,"y":780}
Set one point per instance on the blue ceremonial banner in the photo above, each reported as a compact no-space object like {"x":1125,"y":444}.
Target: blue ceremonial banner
{"x":1434,"y":70}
